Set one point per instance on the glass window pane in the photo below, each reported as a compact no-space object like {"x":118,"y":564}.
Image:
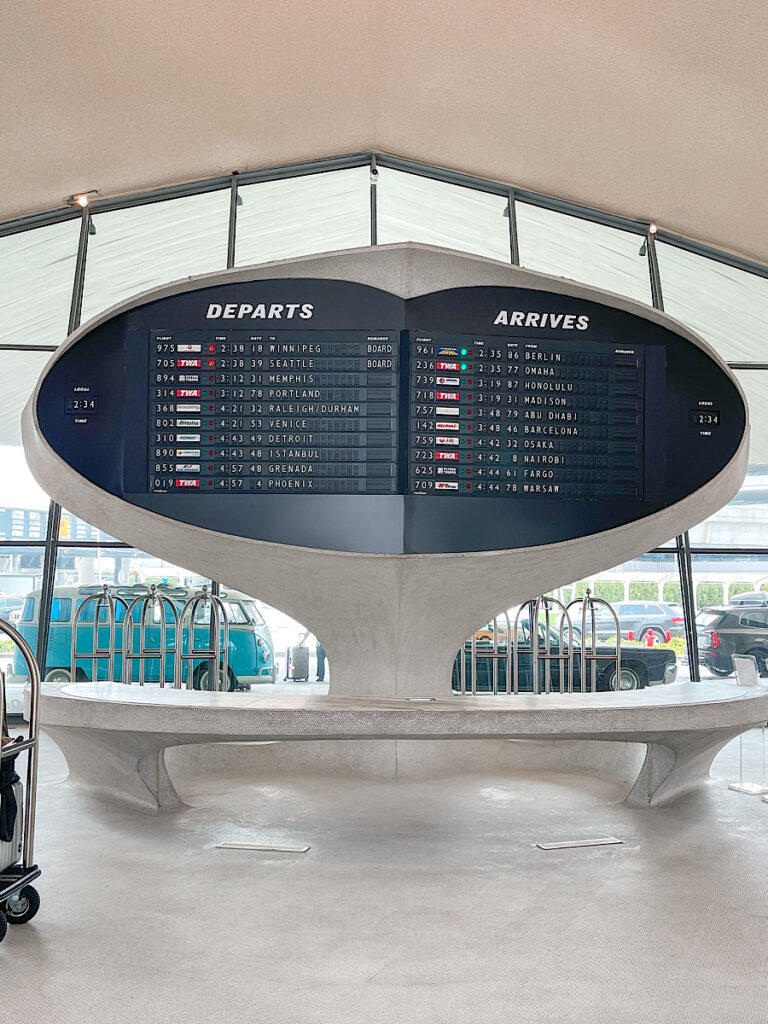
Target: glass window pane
{"x":724,"y":629}
{"x":727,"y":307}
{"x":37,"y":269}
{"x":91,"y":567}
{"x":145,"y":246}
{"x":80,"y":573}
{"x":295,"y":216}
{"x":21,"y":571}
{"x":744,"y":521}
{"x":555,"y":243}
{"x":73,"y":528}
{"x":415,"y":209}
{"x":23,"y":505}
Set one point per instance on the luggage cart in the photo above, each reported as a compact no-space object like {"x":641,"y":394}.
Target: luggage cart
{"x":590,"y":659}
{"x":216,"y":676}
{"x":104,"y":599}
{"x":144,"y":602}
{"x":19,"y":901}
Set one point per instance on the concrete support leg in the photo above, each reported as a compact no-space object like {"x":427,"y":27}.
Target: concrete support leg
{"x":126,"y":768}
{"x":675,"y":766}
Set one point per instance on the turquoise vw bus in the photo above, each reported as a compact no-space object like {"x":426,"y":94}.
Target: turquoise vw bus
{"x":250,"y":654}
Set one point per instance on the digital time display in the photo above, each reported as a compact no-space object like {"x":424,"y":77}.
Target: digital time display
{"x":704,"y":417}
{"x":88,"y":403}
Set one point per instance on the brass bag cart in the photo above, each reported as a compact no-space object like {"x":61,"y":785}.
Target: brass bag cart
{"x":19,"y":901}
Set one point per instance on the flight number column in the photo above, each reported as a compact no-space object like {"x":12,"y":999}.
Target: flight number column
{"x":455,"y":417}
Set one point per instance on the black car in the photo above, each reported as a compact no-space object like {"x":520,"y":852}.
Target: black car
{"x":723,"y":632}
{"x":640,"y":666}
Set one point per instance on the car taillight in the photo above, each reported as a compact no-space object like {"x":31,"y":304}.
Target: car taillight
{"x":714,"y":637}
{"x":678,"y":620}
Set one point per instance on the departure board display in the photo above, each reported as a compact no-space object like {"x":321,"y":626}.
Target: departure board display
{"x":311,"y":412}
{"x":518,"y":417}
{"x":340,"y":416}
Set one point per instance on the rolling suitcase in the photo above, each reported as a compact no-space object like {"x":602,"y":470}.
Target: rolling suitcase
{"x":299,"y":664}
{"x":10,"y":853}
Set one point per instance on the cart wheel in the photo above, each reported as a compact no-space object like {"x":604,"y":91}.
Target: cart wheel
{"x":23,"y":906}
{"x":3,"y":926}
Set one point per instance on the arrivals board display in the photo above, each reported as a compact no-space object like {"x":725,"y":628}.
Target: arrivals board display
{"x":518,"y":417}
{"x":336,"y":415}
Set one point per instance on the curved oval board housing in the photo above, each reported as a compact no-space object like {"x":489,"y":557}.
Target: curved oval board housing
{"x":395,"y":401}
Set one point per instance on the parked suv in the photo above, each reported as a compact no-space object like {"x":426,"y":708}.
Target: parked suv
{"x":723,"y":632}
{"x":641,"y":618}
{"x":751,"y":597}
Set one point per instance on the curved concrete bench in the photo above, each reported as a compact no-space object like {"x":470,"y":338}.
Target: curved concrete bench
{"x":114,"y":737}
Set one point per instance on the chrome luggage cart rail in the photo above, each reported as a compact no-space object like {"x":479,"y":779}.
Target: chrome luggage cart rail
{"x":562,"y":655}
{"x":217,"y":654}
{"x":153,"y":600}
{"x":496,"y":654}
{"x":17,"y":877}
{"x":105,"y":599}
{"x":590,"y":659}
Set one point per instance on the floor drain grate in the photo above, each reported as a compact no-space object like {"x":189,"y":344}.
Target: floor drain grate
{"x":262,"y":847}
{"x":571,"y":844}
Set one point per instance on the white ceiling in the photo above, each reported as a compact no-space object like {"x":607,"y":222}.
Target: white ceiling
{"x":655,"y":109}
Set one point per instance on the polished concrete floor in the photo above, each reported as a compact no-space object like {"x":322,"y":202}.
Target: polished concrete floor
{"x":424,"y":902}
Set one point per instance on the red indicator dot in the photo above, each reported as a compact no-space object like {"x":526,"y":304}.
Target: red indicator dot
{"x":210,"y":469}
{"x":211,"y":362}
{"x":210,"y":437}
{"x":210,"y":483}
{"x":210,"y":408}
{"x":211,"y":348}
{"x":210,"y":453}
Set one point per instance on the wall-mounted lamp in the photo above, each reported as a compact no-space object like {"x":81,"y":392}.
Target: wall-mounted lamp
{"x":82,"y":199}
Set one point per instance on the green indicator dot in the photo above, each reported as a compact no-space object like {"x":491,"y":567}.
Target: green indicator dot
{"x":463,"y":366}
{"x":463,"y":352}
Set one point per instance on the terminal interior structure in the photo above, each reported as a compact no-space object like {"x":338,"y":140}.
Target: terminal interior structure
{"x":383,"y":514}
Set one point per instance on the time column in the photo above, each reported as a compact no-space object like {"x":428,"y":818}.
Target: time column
{"x":449,"y":415}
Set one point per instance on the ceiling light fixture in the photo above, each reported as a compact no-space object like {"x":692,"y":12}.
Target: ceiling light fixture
{"x":82,"y":199}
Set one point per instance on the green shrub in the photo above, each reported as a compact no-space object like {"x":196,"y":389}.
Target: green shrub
{"x":708,"y":594}
{"x":609,"y":590}
{"x":738,"y":588}
{"x":640,"y":591}
{"x":673,"y":593}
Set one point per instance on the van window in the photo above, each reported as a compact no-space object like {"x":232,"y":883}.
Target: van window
{"x":61,"y":609}
{"x":90,"y":610}
{"x":253,"y":612}
{"x":28,"y":615}
{"x":235,"y":614}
